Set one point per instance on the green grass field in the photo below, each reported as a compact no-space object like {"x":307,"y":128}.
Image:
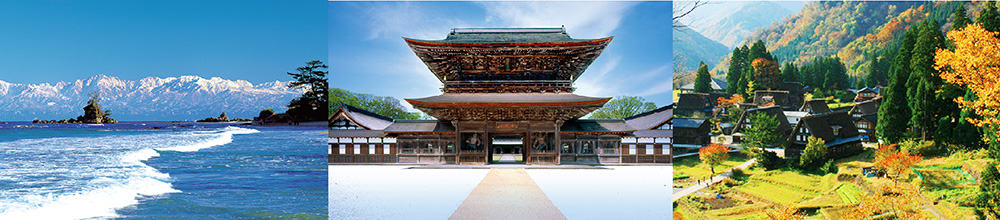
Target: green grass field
{"x":694,"y":170}
{"x":849,"y":193}
{"x":775,"y":193}
{"x":945,"y":182}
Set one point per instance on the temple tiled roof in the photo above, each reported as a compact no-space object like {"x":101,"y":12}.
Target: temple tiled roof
{"x":654,"y":133}
{"x":509,"y":99}
{"x":596,"y":125}
{"x":507,"y":35}
{"x":364,"y":118}
{"x":650,"y":119}
{"x":419,"y":126}
{"x":356,"y":133}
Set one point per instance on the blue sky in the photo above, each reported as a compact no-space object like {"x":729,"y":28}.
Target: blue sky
{"x":368,"y":55}
{"x":257,"y":41}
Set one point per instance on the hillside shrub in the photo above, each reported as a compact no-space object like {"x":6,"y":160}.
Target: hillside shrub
{"x":923,"y":148}
{"x":829,"y":167}
{"x":769,"y":160}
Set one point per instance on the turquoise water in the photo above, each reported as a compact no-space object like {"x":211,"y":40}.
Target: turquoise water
{"x":155,"y":170}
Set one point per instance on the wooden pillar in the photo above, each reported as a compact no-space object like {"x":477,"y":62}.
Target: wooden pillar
{"x":458,"y":142}
{"x":487,"y":145}
{"x":525,"y":146}
{"x":558,"y":125}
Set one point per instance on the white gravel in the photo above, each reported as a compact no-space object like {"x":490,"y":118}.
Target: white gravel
{"x":393,"y":192}
{"x":623,"y":192}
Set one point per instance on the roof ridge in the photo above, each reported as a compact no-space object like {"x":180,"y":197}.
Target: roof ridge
{"x":510,"y":30}
{"x":657,"y":110}
{"x":366,"y":112}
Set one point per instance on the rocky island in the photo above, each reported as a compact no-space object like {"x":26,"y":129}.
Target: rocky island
{"x":92,"y":114}
{"x":222,"y":118}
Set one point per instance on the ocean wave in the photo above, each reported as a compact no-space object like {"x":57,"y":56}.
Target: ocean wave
{"x":96,"y":203}
{"x":222,"y":137}
{"x":91,"y":177}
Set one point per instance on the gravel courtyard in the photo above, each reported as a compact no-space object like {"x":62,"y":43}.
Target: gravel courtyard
{"x":394,"y":192}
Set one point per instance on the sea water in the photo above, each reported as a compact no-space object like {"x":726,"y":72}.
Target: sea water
{"x":161,"y":170}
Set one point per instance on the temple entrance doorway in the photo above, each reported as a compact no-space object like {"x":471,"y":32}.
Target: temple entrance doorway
{"x":507,"y":149}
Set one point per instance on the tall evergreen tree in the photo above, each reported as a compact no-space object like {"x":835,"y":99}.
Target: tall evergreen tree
{"x":965,"y":133}
{"x":735,"y":70}
{"x":922,"y":84}
{"x":959,"y":19}
{"x":759,"y":50}
{"x":703,"y":81}
{"x":741,"y":86}
{"x":876,"y":75}
{"x":988,"y":18}
{"x":988,"y":201}
{"x":894,"y":113}
{"x":789,"y":73}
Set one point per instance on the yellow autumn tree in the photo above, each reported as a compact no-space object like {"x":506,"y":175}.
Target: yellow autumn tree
{"x":975,"y":63}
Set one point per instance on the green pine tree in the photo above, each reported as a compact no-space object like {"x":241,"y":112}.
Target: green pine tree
{"x":988,"y":18}
{"x":965,"y":133}
{"x":313,"y":104}
{"x":922,"y":84}
{"x":959,"y":19}
{"x":876,"y":76}
{"x":759,"y":50}
{"x":737,"y":63}
{"x":894,"y":113}
{"x":789,"y":73}
{"x":988,"y":201}
{"x":703,"y":81}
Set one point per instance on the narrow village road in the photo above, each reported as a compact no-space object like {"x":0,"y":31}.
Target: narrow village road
{"x":715,"y":179}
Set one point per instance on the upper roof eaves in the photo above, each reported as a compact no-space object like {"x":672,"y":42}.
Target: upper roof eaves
{"x":507,"y":35}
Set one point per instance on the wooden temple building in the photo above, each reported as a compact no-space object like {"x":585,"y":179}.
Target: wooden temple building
{"x":507,"y":97}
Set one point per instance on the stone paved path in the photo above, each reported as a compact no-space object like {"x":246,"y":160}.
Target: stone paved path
{"x":507,"y":194}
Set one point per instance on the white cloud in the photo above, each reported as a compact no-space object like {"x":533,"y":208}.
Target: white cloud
{"x":582,"y":19}
{"x":404,"y":19}
{"x":597,"y":84}
{"x":661,"y":88}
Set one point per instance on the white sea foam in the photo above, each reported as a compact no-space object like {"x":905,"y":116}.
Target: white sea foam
{"x":215,"y":139}
{"x":90,"y":177}
{"x":95,"y":203}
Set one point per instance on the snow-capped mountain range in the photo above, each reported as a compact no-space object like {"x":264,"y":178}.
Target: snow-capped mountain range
{"x":148,"y":99}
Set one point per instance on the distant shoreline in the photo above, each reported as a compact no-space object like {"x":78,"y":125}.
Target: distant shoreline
{"x":248,"y":123}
